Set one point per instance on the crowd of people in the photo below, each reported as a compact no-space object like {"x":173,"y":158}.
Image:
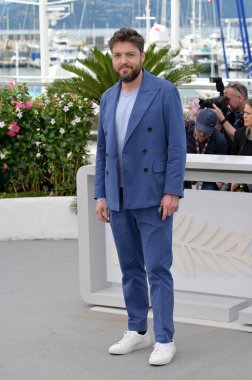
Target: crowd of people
{"x":215,"y":132}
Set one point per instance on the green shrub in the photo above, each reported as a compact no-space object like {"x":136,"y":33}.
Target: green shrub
{"x":43,"y":141}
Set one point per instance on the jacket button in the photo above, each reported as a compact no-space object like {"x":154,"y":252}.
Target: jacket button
{"x":145,"y":151}
{"x":107,"y":172}
{"x":149,"y":129}
{"x":106,"y":154}
{"x":146,"y":169}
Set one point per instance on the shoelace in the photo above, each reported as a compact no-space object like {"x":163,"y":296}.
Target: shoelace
{"x":126,"y":336}
{"x":159,"y":347}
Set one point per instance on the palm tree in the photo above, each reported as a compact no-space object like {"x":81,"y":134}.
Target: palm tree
{"x":97,"y":74}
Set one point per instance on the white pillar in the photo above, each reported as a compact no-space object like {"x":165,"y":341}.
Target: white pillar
{"x":175,"y":24}
{"x":147,"y":10}
{"x":43,"y":29}
{"x":164,"y":13}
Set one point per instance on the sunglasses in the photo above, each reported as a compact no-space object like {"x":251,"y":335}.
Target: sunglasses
{"x":236,"y":86}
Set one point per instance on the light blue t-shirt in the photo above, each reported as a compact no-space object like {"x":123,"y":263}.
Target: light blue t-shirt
{"x":123,"y":111}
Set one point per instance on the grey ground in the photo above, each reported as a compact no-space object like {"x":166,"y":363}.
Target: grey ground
{"x":47,"y":332}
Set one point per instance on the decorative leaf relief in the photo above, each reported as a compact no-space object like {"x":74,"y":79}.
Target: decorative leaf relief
{"x":196,"y":257}
{"x":242,"y":245}
{"x":183,"y":227}
{"x":177,"y":221}
{"x":222,"y":235}
{"x":179,"y":264}
{"x":187,"y":260}
{"x":195,"y":231}
{"x":215,"y":249}
{"x":208,"y":236}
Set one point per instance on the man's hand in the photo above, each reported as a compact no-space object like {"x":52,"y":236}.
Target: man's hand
{"x":170,"y":204}
{"x":102,"y":211}
{"x":218,"y":112}
{"x":234,"y":186}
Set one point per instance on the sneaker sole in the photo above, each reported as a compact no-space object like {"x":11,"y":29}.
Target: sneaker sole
{"x":123,"y":352}
{"x":161,"y":362}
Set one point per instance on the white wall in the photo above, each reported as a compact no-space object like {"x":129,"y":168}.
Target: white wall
{"x":37,"y":218}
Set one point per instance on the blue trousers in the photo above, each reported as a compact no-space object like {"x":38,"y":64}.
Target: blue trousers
{"x":144,"y":246}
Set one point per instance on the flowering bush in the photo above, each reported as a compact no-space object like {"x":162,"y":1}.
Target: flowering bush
{"x":191,"y":109}
{"x":62,"y":140}
{"x":42,"y":141}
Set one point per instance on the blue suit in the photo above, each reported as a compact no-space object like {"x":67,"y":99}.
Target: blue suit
{"x":153,"y":161}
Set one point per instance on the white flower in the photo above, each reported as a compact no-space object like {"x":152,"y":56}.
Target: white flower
{"x":38,"y":155}
{"x":77,"y":119}
{"x":69,"y":154}
{"x":70,"y":104}
{"x":19,"y":115}
{"x":66,"y":108}
{"x":38,"y":129}
{"x":2,"y":124}
{"x":38,"y":143}
{"x":52,"y":121}
{"x":62,"y":130}
{"x":2,"y":155}
{"x":73,"y":122}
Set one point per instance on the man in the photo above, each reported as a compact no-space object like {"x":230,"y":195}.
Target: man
{"x":139,"y":167}
{"x":236,"y":96}
{"x":204,"y":138}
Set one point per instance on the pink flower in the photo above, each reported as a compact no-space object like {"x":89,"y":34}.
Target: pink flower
{"x":38,"y":105}
{"x":11,"y":84}
{"x":11,"y":133}
{"x":20,"y":105}
{"x":13,"y":129}
{"x":5,"y":166}
{"x":29,"y":104}
{"x":14,"y":124}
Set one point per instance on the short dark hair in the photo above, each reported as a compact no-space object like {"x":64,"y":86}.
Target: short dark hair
{"x":240,"y":87}
{"x":249,"y":102}
{"x":127,"y":35}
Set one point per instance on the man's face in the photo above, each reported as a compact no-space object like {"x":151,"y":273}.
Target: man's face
{"x":201,"y":135}
{"x":234,"y":98}
{"x":127,"y":61}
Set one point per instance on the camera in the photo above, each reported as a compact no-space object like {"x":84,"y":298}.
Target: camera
{"x":219,"y":101}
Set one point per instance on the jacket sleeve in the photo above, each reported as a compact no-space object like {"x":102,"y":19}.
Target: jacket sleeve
{"x":238,"y":142}
{"x":176,"y":143}
{"x":99,"y":186}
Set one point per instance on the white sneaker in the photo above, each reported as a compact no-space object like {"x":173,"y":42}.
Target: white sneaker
{"x":131,"y":341}
{"x":163,"y":353}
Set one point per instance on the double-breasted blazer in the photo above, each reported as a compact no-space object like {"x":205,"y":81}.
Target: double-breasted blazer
{"x":154,"y":152}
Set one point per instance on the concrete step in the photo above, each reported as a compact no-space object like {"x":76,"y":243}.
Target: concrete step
{"x":215,"y":308}
{"x":245,"y":315}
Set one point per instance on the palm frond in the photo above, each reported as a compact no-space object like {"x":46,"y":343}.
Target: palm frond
{"x":97,"y":74}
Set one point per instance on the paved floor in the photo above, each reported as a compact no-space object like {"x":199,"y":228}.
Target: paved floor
{"x":48,"y":333}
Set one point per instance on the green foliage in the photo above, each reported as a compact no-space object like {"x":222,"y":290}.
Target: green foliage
{"x":42,"y":142}
{"x":96,"y":74}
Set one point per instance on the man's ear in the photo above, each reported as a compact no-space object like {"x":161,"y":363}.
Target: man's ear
{"x":142,"y":57}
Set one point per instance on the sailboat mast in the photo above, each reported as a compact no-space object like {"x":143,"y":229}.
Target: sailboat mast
{"x":175,"y":24}
{"x":194,"y":18}
{"x":164,"y":13}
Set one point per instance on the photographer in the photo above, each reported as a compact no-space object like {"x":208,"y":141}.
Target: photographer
{"x":236,"y":95}
{"x":242,"y":144}
{"x":204,"y":138}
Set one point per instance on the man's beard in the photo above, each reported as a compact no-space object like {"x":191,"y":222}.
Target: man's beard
{"x":130,"y":76}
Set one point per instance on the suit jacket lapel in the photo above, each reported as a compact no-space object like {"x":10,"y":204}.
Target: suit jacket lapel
{"x":111,"y":104}
{"x":144,"y":98}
